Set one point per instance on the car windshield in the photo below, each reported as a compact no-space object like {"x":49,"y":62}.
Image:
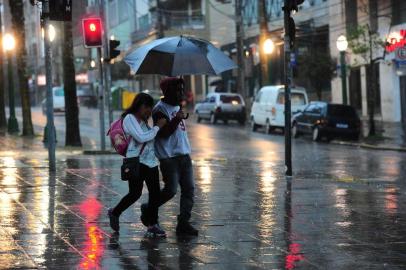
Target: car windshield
{"x":341,"y":111}
{"x":230,"y":99}
{"x":58,"y":92}
{"x":297,"y":99}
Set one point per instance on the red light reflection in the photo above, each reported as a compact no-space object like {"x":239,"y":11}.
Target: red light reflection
{"x":293,"y":256}
{"x":93,"y":248}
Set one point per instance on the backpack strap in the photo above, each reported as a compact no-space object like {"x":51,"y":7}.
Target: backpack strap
{"x":142,"y":148}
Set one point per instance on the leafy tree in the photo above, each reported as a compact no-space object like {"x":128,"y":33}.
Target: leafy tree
{"x":3,"y":121}
{"x":318,"y":67}
{"x":17,"y":22}
{"x":368,"y":45}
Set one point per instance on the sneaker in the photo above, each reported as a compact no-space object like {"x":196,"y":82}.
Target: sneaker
{"x":185,"y":228}
{"x":143,"y":217}
{"x":155,"y":231}
{"x":114,"y":220}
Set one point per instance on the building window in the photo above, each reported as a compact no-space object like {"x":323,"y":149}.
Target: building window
{"x":398,"y":11}
{"x":113,"y":20}
{"x":143,"y":22}
{"x":351,"y":15}
{"x":123,"y":10}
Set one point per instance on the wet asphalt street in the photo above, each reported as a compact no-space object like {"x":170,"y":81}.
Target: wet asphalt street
{"x":343,"y":209}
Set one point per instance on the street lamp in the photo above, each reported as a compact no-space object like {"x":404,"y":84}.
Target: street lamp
{"x":51,"y":33}
{"x":268,"y":47}
{"x":8,"y":46}
{"x":342,"y":45}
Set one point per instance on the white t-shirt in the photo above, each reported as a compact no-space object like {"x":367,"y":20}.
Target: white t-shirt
{"x":141,"y":133}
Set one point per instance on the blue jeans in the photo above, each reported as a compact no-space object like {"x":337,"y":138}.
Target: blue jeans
{"x":178,"y":170}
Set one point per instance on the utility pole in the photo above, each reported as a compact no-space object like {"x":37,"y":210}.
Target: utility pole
{"x":101,"y":100}
{"x":51,"y":139}
{"x":160,"y":26}
{"x":107,"y":66}
{"x":288,"y":81}
{"x":264,"y":32}
{"x":101,"y":79}
{"x":239,"y":28}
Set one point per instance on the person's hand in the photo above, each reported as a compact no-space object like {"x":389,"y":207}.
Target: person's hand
{"x":181,"y":114}
{"x":161,"y":122}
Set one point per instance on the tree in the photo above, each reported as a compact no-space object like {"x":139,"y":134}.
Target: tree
{"x":17,"y":22}
{"x":367,"y":44}
{"x":318,"y":67}
{"x":3,"y":121}
{"x":71,"y":105}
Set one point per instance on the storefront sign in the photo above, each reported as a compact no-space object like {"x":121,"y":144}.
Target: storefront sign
{"x":396,"y":40}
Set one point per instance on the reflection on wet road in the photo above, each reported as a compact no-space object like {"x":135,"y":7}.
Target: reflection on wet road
{"x":343,"y":209}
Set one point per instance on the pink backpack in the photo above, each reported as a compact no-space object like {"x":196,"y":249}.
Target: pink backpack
{"x":118,"y":138}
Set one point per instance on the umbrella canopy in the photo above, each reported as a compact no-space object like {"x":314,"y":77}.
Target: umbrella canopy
{"x":180,"y":55}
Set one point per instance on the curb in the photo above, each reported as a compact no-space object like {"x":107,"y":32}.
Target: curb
{"x":371,"y":146}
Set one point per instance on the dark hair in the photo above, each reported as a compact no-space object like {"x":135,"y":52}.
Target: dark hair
{"x":139,"y":100}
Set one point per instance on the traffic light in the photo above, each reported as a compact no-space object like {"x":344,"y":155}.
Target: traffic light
{"x":92,"y":32}
{"x":293,"y":5}
{"x":113,"y":44}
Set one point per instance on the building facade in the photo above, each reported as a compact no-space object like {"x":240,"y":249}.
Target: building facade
{"x":388,"y":19}
{"x":312,"y":24}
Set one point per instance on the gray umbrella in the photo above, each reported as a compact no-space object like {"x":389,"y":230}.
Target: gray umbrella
{"x":180,"y":55}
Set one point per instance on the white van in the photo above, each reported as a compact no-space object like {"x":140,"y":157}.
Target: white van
{"x":58,"y":100}
{"x":268,"y":107}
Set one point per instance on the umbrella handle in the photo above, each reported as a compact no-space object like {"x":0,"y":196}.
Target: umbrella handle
{"x":187,"y":116}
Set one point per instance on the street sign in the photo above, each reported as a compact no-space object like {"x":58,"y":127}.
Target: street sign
{"x":60,"y":10}
{"x":401,"y":54}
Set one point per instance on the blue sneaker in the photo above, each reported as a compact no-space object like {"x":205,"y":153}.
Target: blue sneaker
{"x":114,"y":220}
{"x":155,"y":231}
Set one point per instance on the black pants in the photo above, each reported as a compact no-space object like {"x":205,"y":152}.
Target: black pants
{"x":135,"y":185}
{"x":178,"y":171}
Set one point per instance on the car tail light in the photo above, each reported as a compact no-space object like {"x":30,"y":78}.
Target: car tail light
{"x":273,"y":111}
{"x":324,"y":121}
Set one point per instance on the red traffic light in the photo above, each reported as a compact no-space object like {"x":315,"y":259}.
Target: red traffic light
{"x":92,"y":32}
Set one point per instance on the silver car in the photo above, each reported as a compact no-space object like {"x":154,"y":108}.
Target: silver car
{"x":221,"y":106}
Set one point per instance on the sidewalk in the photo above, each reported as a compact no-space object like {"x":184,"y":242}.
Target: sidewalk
{"x":341,"y":214}
{"x":390,"y":136}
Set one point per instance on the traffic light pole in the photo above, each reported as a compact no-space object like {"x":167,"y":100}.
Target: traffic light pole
{"x":101,"y":101}
{"x":50,"y":127}
{"x":107,"y":67}
{"x":288,"y":81}
{"x":108,"y":91}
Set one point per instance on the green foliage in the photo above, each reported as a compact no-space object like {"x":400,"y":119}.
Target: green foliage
{"x":363,"y":42}
{"x":318,"y":67}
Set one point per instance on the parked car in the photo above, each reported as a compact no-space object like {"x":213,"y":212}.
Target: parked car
{"x":327,"y":120}
{"x":221,"y":106}
{"x":269,"y":106}
{"x":59,"y":100}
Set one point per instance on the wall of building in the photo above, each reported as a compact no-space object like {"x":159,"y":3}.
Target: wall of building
{"x":390,"y":107}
